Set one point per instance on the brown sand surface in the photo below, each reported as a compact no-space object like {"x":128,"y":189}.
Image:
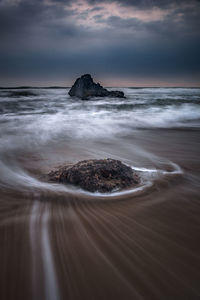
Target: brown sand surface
{"x":141,"y":245}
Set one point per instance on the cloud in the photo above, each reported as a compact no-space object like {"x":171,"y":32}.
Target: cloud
{"x":148,"y":4}
{"x":59,"y":38}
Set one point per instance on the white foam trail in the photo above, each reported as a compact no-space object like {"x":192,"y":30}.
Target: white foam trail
{"x":145,"y":170}
{"x":117,"y":193}
{"x":17,"y":179}
{"x":177,"y":170}
{"x":51,"y":287}
{"x":34,"y":245}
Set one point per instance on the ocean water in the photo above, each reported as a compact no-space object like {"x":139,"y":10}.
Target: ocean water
{"x":66,"y":243}
{"x":38,"y":121}
{"x":55,"y":113}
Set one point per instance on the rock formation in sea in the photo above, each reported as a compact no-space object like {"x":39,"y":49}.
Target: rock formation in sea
{"x":84,"y":88}
{"x":103,"y":175}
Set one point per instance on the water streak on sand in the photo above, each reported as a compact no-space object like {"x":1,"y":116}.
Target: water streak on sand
{"x":39,"y":223}
{"x":51,"y":288}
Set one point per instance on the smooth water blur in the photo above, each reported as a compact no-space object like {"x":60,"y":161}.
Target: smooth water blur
{"x":55,"y":114}
{"x":37,"y":121}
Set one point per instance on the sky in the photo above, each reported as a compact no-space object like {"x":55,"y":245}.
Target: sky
{"x":120,"y":42}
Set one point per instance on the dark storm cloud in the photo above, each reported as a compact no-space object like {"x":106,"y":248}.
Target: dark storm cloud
{"x":146,"y":4}
{"x":25,"y":14}
{"x":35,"y":25}
{"x":47,"y":39}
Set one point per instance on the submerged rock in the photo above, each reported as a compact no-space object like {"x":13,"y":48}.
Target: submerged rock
{"x":104,"y":175}
{"x":84,"y":88}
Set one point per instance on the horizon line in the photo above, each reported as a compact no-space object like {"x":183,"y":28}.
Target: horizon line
{"x":66,"y":87}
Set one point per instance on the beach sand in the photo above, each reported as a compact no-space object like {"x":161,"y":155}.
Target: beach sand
{"x":138,"y":245}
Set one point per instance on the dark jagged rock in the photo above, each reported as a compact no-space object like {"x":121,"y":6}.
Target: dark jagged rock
{"x":104,"y":175}
{"x":84,"y":88}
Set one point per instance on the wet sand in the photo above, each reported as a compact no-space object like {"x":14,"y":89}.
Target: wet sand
{"x":141,"y":245}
